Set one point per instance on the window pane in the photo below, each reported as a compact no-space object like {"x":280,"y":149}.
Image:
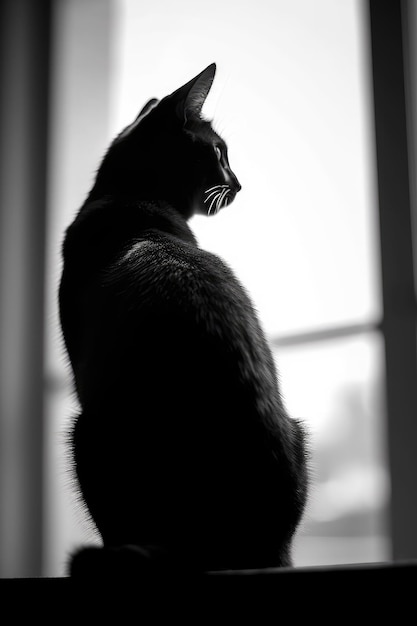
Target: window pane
{"x":336,"y":388}
{"x":291,"y":99}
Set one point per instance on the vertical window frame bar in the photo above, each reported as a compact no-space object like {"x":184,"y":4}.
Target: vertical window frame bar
{"x":397,"y":267}
{"x":24,"y":119}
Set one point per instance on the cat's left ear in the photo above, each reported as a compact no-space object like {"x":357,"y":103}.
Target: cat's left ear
{"x":151,"y":104}
{"x":189,"y":98}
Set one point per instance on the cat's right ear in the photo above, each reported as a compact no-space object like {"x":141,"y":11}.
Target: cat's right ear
{"x":189,"y":99}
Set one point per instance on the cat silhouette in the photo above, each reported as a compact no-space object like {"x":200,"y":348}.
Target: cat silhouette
{"x":183,"y":451}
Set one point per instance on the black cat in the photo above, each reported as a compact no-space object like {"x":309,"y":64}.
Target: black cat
{"x":183,"y":450}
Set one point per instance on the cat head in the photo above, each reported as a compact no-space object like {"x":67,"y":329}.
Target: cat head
{"x":170,"y":152}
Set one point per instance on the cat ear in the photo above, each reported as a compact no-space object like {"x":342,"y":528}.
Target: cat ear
{"x":148,"y":106}
{"x":151,"y":104}
{"x":189,"y":98}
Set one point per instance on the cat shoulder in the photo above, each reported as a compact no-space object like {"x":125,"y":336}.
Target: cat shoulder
{"x":164,"y":268}
{"x":165,"y":256}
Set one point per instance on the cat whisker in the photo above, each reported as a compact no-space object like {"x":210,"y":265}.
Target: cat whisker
{"x":213,"y":202}
{"x":217,"y":196}
{"x":219,"y":202}
{"x":223,"y":197}
{"x":215,"y":187}
{"x":213,"y":193}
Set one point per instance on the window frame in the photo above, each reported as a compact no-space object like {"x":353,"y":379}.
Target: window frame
{"x":391,"y":21}
{"x":391,"y":32}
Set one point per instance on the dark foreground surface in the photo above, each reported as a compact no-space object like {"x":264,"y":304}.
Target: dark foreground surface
{"x":363,"y":594}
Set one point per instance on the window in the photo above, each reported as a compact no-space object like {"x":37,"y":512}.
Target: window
{"x":293,"y":99}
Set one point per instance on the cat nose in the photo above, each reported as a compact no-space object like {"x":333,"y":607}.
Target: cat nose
{"x":236,"y":183}
{"x":233,"y":181}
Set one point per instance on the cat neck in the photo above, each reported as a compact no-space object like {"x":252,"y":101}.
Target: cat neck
{"x":146,"y":188}
{"x":111,"y":222}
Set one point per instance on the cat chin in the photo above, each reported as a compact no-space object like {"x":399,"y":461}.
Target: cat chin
{"x":203,"y":210}
{"x":212,"y":211}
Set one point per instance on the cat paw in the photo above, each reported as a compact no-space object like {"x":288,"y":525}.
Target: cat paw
{"x":115,"y":562}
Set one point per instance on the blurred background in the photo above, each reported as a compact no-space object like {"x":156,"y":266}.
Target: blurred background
{"x":297,"y":98}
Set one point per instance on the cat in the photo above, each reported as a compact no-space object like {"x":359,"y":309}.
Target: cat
{"x":183,"y":451}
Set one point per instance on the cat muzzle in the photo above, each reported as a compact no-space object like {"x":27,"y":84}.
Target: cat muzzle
{"x":218,"y":197}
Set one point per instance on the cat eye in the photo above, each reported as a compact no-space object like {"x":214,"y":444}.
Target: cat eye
{"x":218,"y":151}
